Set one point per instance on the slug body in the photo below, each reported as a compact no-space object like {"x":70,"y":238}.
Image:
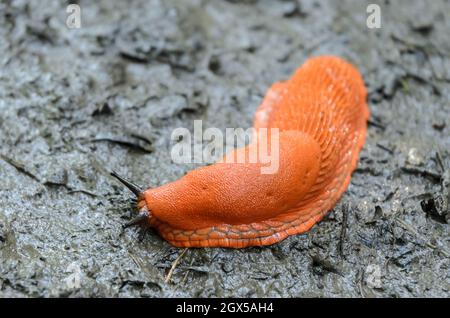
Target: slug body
{"x":321,"y":114}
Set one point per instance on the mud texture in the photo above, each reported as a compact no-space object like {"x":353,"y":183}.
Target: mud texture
{"x":77,"y":103}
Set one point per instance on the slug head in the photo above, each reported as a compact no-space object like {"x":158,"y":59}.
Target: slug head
{"x":144,"y":213}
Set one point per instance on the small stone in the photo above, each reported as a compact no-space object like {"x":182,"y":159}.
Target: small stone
{"x":2,"y":233}
{"x":439,"y":124}
{"x":396,"y":206}
{"x":415,"y":157}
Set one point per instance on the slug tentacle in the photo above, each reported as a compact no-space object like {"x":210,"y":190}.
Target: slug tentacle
{"x":130,"y":185}
{"x":140,"y":219}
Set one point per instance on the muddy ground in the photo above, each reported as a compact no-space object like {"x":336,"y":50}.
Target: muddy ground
{"x":77,"y":103}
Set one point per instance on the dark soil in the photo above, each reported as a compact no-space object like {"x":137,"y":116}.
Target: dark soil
{"x":78,"y":103}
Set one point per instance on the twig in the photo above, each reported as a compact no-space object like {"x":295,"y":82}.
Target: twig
{"x":20,"y":167}
{"x":425,"y":173}
{"x":92,"y":194}
{"x":377,"y":124}
{"x":440,"y":161}
{"x":412,"y":230}
{"x":174,"y":265}
{"x":389,"y":150}
{"x":125,"y":143}
{"x":325,"y":265}
{"x":187,"y":272}
{"x":343,"y":230}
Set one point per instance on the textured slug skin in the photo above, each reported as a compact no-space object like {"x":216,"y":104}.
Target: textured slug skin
{"x":321,"y":113}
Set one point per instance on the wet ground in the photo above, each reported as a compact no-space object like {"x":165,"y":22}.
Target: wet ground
{"x":77,"y":103}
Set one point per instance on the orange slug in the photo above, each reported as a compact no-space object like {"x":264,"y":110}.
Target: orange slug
{"x":321,"y":113}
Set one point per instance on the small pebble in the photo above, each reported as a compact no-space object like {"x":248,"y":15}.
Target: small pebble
{"x":415,"y":157}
